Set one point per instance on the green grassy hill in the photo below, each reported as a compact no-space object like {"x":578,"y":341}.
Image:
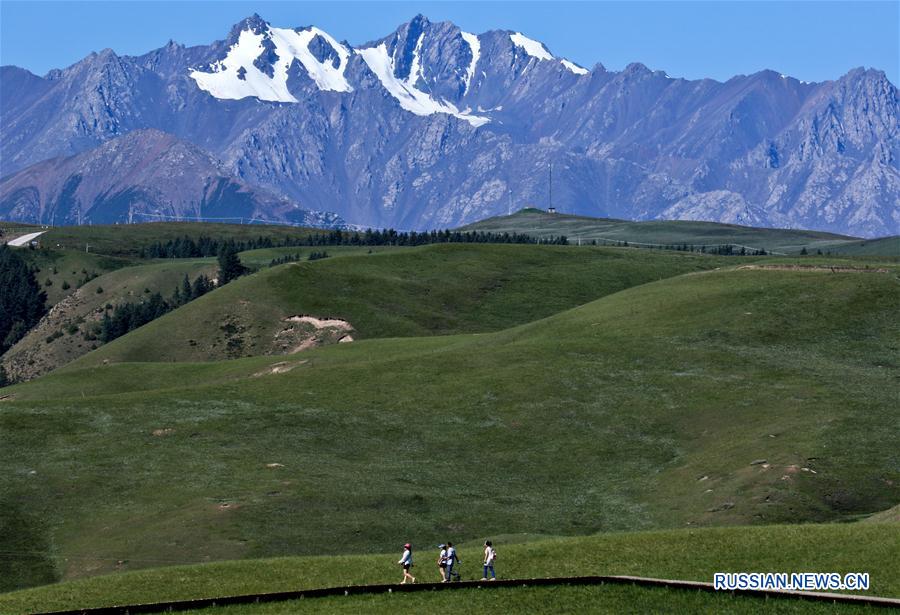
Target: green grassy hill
{"x":680,"y":554}
{"x":735,"y":396}
{"x":66,"y":270}
{"x":399,"y":292}
{"x":71,"y":279}
{"x":69,"y":330}
{"x":884,"y":246}
{"x":539,"y":223}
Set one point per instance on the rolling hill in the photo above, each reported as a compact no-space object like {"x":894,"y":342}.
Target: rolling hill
{"x":661,"y":233}
{"x":735,"y":396}
{"x":437,"y":289}
{"x":515,"y":288}
{"x":884,"y":246}
{"x":69,"y":329}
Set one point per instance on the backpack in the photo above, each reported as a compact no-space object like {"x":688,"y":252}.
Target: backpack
{"x":495,"y":554}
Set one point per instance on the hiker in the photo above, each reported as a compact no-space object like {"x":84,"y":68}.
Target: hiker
{"x":442,"y":562}
{"x":489,"y":556}
{"x":452,"y":561}
{"x":406,"y":563}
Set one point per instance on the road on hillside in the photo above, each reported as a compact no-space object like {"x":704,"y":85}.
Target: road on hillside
{"x":18,"y":242}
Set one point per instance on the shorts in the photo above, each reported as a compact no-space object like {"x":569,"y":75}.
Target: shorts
{"x":406,"y":566}
{"x":442,"y":565}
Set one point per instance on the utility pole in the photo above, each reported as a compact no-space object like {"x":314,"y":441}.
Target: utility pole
{"x":551,"y":185}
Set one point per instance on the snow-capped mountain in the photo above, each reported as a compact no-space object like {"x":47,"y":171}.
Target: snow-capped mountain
{"x":432,"y":126}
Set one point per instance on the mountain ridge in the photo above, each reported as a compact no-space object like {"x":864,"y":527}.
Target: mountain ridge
{"x":422,"y":133}
{"x":143,"y":175}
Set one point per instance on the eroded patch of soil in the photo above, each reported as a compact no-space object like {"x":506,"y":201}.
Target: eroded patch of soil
{"x":304,"y":332}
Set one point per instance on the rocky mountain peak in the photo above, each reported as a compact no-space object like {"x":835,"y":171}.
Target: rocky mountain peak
{"x":254,"y":23}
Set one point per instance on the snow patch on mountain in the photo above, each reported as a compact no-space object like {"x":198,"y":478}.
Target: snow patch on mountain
{"x":410,"y":98}
{"x":325,"y":74}
{"x":475,"y":46}
{"x":574,"y":67}
{"x":237,"y":76}
{"x":415,"y":69}
{"x":532,"y":47}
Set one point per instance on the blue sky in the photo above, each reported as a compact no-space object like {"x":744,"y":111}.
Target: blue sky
{"x":809,"y":40}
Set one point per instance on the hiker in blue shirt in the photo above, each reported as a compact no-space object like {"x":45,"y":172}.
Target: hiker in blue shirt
{"x":452,"y":561}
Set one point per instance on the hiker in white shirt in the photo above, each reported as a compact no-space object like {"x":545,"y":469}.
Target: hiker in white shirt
{"x":406,"y":562}
{"x":489,"y":556}
{"x":452,"y":561}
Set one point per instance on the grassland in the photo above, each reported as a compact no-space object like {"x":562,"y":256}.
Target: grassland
{"x":399,"y":292}
{"x":539,"y":223}
{"x":726,"y":397}
{"x":519,"y":392}
{"x":682,"y":554}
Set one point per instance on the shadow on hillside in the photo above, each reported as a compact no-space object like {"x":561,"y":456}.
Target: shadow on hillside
{"x":24,"y":559}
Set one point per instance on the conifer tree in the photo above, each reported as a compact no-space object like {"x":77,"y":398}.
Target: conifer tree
{"x":230,"y":266}
{"x":22,"y":302}
{"x":187,"y":293}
